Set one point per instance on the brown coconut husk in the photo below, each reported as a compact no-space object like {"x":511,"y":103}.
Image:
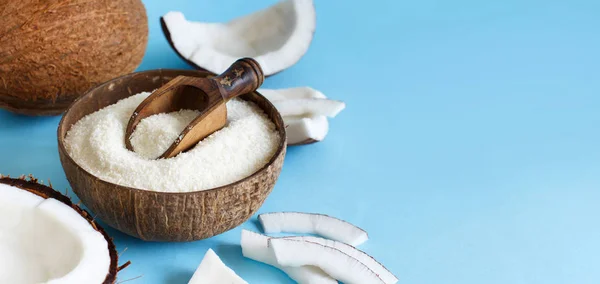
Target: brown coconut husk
{"x":52,"y":51}
{"x":31,"y":184}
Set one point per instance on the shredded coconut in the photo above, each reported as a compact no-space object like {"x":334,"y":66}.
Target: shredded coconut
{"x":242,"y":147}
{"x":154,"y":134}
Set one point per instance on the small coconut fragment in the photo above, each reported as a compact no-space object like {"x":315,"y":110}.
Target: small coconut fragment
{"x":333,"y":261}
{"x":305,"y":130}
{"x":311,"y":223}
{"x":361,"y":256}
{"x":298,"y":107}
{"x":212,"y":271}
{"x":277,"y":37}
{"x":291,"y":93}
{"x":44,"y":238}
{"x":309,"y":107}
{"x":255,"y":246}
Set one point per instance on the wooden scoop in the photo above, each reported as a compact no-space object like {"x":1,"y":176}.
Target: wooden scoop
{"x":207,"y":95}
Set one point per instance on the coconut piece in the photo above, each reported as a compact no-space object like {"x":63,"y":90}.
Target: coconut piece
{"x":305,"y":130}
{"x":212,"y":270}
{"x":277,"y":37}
{"x":291,"y":93}
{"x":334,"y":262}
{"x":74,"y":248}
{"x":51,"y":52}
{"x":311,"y":223}
{"x":255,"y":246}
{"x":298,"y":107}
{"x":361,"y":256}
{"x":308,"y":107}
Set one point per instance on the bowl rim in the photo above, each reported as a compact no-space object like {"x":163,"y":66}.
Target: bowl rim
{"x":62,"y":148}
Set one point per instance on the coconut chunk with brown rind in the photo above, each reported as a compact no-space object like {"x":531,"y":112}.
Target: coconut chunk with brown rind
{"x":361,"y":256}
{"x":255,"y":246}
{"x":304,"y":111}
{"x":276,"y":37}
{"x":334,"y":262}
{"x":312,"y":223}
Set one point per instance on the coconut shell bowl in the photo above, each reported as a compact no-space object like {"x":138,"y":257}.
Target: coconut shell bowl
{"x":166,"y":216}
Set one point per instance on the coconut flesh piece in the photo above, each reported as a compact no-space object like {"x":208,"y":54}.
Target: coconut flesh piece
{"x":305,"y":128}
{"x":255,"y":246}
{"x":46,"y":241}
{"x":291,"y":93}
{"x":276,"y":37}
{"x":334,"y":262}
{"x":296,"y":107}
{"x":311,"y":223}
{"x":212,"y":270}
{"x":353,"y":252}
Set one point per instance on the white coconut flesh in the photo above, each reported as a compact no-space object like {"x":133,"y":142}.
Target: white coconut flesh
{"x":334,"y":262}
{"x":311,"y":107}
{"x":255,"y":246}
{"x":276,"y":37}
{"x":353,"y":252}
{"x":304,"y":112}
{"x":310,"y":223}
{"x":46,"y":241}
{"x":300,"y":130}
{"x":291,"y":93}
{"x":212,"y":271}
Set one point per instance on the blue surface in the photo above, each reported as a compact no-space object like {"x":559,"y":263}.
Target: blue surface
{"x":468,"y":150}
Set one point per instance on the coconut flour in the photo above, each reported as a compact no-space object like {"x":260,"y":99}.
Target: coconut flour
{"x":242,"y":147}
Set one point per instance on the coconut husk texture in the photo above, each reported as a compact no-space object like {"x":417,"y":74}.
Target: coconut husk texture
{"x":161,"y":216}
{"x":32,"y":185}
{"x":52,"y":51}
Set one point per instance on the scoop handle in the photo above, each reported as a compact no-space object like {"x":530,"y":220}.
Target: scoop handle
{"x":242,"y":77}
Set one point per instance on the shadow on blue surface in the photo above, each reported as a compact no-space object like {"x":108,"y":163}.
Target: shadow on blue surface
{"x":182,"y":276}
{"x":10,"y":121}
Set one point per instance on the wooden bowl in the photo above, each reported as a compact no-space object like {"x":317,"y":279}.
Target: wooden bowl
{"x":165,"y":216}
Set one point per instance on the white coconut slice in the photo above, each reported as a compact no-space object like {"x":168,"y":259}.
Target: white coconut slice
{"x":291,"y":93}
{"x":255,"y":246}
{"x":359,"y":255}
{"x":44,"y":240}
{"x":212,"y":271}
{"x":305,"y":130}
{"x":309,"y":107}
{"x":304,"y":112}
{"x":333,"y":261}
{"x":276,"y":37}
{"x":311,"y":223}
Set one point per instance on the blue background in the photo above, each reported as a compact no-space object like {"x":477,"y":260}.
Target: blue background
{"x":468,"y":150}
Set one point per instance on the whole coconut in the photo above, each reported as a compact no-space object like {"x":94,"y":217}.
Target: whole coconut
{"x":51,"y":51}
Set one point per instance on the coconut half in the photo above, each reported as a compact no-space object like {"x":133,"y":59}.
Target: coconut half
{"x":255,"y":246}
{"x":45,"y":238}
{"x":311,"y":223}
{"x":277,"y":37}
{"x":212,"y":271}
{"x":334,"y":262}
